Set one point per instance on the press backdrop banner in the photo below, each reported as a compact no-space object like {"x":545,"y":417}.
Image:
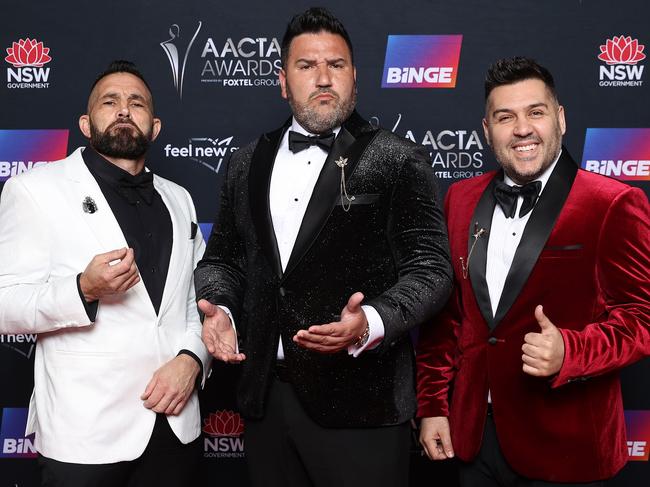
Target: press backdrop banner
{"x":213,"y":67}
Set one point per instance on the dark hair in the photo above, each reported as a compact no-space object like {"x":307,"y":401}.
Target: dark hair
{"x":120,"y":66}
{"x":313,"y":21}
{"x":512,"y":70}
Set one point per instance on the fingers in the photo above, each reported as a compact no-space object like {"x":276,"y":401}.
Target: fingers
{"x":117,"y":254}
{"x":435,"y":438}
{"x":544,"y":323}
{"x":354,"y":303}
{"x":207,"y":307}
{"x":322,"y":343}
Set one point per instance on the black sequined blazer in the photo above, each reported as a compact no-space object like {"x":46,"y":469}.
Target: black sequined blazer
{"x":391,"y":245}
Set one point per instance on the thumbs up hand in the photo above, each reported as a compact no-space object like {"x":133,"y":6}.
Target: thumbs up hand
{"x":543,"y":353}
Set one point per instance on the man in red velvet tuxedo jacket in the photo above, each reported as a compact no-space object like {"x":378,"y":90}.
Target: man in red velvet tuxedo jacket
{"x":551,"y":300}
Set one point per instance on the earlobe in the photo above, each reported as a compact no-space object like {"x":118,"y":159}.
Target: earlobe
{"x":84,"y":126}
{"x":282,"y":77}
{"x":157,"y":125}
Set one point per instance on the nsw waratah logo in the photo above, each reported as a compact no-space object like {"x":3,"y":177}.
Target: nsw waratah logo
{"x":223,"y":423}
{"x":28,"y":52}
{"x":621,"y":55}
{"x":28,"y":58}
{"x":421,"y":61}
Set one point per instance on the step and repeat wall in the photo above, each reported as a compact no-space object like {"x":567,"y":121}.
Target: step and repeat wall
{"x":213,"y":67}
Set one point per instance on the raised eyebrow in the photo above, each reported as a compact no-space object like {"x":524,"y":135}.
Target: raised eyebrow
{"x":135,"y":96}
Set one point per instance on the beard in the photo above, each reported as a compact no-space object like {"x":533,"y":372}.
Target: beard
{"x":521,"y":174}
{"x":120,"y":142}
{"x":318,"y":122}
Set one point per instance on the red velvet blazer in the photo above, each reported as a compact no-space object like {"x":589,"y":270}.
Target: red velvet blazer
{"x":585,"y":256}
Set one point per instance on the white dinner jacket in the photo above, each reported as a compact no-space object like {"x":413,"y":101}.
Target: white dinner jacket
{"x":88,"y":377}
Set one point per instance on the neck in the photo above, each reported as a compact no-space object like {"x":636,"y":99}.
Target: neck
{"x":132,"y":166}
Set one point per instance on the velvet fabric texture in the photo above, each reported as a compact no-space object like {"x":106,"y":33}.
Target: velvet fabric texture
{"x":391,"y":245}
{"x":589,"y":266}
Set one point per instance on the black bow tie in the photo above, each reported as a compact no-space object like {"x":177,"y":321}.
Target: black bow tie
{"x":506,"y":196}
{"x":140,"y":184}
{"x":298,"y":141}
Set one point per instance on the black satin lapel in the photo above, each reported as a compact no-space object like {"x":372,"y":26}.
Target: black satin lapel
{"x":259,"y":181}
{"x":482,"y":219}
{"x":327,"y":190}
{"x":537,"y":231}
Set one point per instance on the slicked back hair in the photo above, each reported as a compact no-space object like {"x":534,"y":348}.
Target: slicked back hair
{"x":508,"y":71}
{"x":313,"y":21}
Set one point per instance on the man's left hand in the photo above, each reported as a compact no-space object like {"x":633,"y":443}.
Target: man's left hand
{"x":171,"y":385}
{"x":336,"y":336}
{"x":543,"y":352}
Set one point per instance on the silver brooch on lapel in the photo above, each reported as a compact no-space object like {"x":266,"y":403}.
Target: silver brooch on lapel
{"x":88,"y":205}
{"x":347,"y":202}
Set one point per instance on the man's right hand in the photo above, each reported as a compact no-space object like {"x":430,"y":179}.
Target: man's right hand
{"x":218,"y":334}
{"x":101,"y":278}
{"x":436,"y":438}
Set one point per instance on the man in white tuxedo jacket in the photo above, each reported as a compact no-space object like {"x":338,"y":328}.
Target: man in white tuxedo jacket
{"x":96,"y":257}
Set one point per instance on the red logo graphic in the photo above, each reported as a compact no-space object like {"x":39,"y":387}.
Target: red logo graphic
{"x":622,"y":50}
{"x":223,"y":423}
{"x":28,"y":52}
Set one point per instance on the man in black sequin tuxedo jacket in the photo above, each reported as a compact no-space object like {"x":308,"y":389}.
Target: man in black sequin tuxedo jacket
{"x":329,"y":247}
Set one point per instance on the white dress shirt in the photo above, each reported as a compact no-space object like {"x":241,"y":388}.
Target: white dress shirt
{"x":505,"y":235}
{"x":292,"y":183}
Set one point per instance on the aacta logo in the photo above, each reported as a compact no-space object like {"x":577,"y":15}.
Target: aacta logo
{"x":14,"y":443}
{"x":28,"y":56}
{"x":224,"y":428}
{"x":621,"y":55}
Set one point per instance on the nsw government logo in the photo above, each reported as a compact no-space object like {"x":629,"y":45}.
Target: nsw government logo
{"x":637,"y":427}
{"x":620,"y":153}
{"x":621,"y":56}
{"x":421,"y":61}
{"x":223,"y":431}
{"x":12,"y":435}
{"x":28,"y":58}
{"x":21,"y":150}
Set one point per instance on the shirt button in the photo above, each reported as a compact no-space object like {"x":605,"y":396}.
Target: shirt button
{"x":149,"y":235}
{"x":153,"y":270}
{"x":492,"y":340}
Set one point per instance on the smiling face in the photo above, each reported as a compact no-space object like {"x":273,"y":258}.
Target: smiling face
{"x":524,"y":126}
{"x":120,"y":121}
{"x":319,"y":80}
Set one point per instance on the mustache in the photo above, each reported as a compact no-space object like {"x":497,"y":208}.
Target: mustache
{"x":526,"y":140}
{"x":320,"y":91}
{"x":126,"y":121}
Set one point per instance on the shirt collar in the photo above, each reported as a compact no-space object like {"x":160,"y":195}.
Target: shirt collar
{"x":103,"y":168}
{"x":296,"y":127}
{"x":543,"y":178}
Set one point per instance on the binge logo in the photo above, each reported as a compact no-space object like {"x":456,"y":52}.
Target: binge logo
{"x":224,"y":429}
{"x":621,"y":55}
{"x":421,"y":61}
{"x":28,"y":56}
{"x":21,"y":150}
{"x":637,"y":425}
{"x":620,"y":153}
{"x":14,"y":442}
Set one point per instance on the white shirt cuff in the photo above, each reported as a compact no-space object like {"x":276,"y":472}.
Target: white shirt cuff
{"x":232,"y":322}
{"x":376,"y":332}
